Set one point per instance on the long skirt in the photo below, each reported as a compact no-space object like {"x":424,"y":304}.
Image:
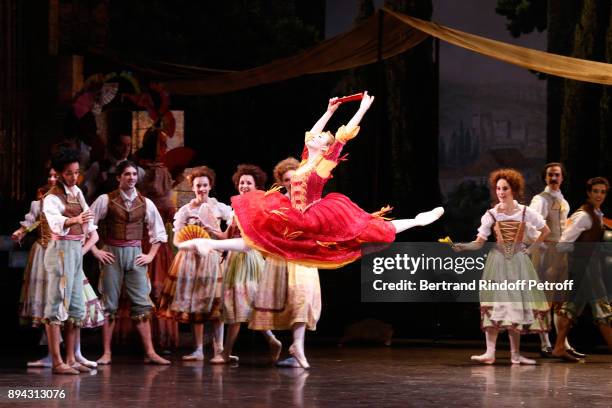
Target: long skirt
{"x":240,"y":283}
{"x":524,"y":310}
{"x":288,"y":293}
{"x":34,"y":293}
{"x":192,"y":290}
{"x":34,"y":288}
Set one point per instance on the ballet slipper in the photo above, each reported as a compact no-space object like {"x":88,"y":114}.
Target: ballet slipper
{"x":290,"y":362}
{"x":484,"y":358}
{"x":104,"y":360}
{"x":575,"y":353}
{"x":518,"y":359}
{"x":42,"y":363}
{"x":80,"y":368}
{"x":426,"y":218}
{"x":87,"y":363}
{"x":299,"y":356}
{"x":155,"y":359}
{"x":275,"y":350}
{"x":64,"y":369}
{"x":218,"y":359}
{"x":195,"y":356}
{"x":221,"y":358}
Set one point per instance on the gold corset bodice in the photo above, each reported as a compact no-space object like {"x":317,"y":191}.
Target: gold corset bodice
{"x":298,"y":189}
{"x":509,"y":235}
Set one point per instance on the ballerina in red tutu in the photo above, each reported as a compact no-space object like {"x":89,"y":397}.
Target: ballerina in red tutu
{"x":306,"y":229}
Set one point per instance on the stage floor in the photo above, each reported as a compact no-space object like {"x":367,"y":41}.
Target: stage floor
{"x":425,"y":376}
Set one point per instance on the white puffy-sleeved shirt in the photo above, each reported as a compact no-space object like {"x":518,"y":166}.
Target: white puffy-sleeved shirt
{"x":54,"y":208}
{"x":579,"y":222}
{"x":540,"y":204}
{"x":532,"y":218}
{"x":32,"y":217}
{"x":153,"y":220}
{"x":188,"y":214}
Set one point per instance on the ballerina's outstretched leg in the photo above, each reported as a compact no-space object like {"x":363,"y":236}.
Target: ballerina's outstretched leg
{"x":205,"y":245}
{"x":422,"y":219}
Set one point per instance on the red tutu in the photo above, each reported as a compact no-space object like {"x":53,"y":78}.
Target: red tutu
{"x":327,"y":234}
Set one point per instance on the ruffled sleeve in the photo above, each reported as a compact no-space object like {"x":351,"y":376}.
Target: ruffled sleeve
{"x":53,"y":207}
{"x":99,"y":208}
{"x":155,"y":224}
{"x":180,"y":218}
{"x":538,"y":204}
{"x":345,"y":134}
{"x":31,"y":217}
{"x":534,"y":218}
{"x":222,"y":211}
{"x":486,"y":222}
{"x":579,"y":222}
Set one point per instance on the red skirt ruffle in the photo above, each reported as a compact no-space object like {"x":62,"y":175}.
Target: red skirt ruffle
{"x":327,"y":235}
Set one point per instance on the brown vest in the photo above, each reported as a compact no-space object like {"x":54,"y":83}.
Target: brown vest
{"x":555,"y":221}
{"x":121,"y":223}
{"x":44,"y":232}
{"x":595,"y":233}
{"x":72,"y":207}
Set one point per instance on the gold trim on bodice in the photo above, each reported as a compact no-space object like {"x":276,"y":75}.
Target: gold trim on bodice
{"x":299,"y":182}
{"x":509,"y":235}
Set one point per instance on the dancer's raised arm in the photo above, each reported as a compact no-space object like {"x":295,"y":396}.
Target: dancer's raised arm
{"x":366,"y":102}
{"x":320,"y":125}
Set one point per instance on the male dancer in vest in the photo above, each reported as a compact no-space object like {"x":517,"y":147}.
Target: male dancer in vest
{"x":126,"y":214}
{"x":550,"y":264}
{"x":73,"y":234}
{"x":585,"y":226}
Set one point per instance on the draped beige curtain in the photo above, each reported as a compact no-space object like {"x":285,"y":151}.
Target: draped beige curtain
{"x":553,"y":64}
{"x":359,"y":46}
{"x":388,"y":35}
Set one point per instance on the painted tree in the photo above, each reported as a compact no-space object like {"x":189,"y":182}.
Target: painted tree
{"x":578,"y":114}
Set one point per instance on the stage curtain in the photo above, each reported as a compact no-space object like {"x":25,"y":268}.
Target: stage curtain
{"x":388,"y":35}
{"x":354,"y":48}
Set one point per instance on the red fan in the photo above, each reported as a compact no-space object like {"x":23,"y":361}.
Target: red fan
{"x":350,"y":98}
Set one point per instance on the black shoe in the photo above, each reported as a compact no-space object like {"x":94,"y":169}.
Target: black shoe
{"x":546,"y":352}
{"x":572,"y":352}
